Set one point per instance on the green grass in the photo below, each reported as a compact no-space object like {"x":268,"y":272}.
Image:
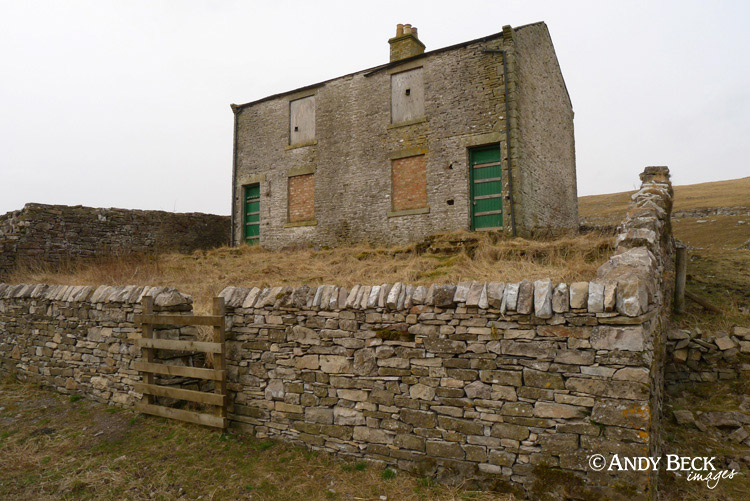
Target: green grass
{"x":388,"y":474}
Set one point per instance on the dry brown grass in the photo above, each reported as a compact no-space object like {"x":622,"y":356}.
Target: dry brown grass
{"x":204,"y":274}
{"x":611,"y":207}
{"x":52,"y":448}
{"x":722,"y":277}
{"x":717,"y":232}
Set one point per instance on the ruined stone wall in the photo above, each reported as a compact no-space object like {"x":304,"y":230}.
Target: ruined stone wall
{"x":55,"y":234}
{"x":80,"y":339}
{"x":698,"y":356}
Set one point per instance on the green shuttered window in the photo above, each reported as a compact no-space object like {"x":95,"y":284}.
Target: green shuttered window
{"x":252,"y":214}
{"x":486,"y":187}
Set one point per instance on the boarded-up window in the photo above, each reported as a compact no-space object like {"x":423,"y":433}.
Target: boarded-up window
{"x":302,"y":120}
{"x":407,"y":96}
{"x":302,"y":198}
{"x":409,"y":183}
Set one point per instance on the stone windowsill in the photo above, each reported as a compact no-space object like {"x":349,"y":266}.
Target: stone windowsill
{"x":309,"y":222}
{"x":301,"y":145}
{"x":408,"y":212}
{"x":409,"y":152}
{"x":301,"y":171}
{"x":407,"y":123}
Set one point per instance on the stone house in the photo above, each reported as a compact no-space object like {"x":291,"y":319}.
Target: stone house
{"x":475,"y":136}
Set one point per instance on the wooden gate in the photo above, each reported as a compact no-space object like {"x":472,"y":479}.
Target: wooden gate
{"x":148,"y":367}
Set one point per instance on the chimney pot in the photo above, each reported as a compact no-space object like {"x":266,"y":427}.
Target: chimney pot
{"x":405,"y":44}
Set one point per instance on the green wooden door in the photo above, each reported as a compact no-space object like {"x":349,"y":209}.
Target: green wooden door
{"x":486,"y":185}
{"x":252,"y":214}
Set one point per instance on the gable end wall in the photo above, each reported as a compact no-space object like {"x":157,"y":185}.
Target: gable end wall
{"x":547,"y":173}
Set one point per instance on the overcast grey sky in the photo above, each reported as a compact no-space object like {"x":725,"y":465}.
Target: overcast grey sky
{"x":126,"y":104}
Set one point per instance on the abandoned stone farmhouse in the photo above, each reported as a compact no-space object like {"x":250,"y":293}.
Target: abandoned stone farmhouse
{"x":475,"y":136}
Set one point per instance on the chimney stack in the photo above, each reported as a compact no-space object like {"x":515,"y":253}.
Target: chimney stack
{"x":405,"y":44}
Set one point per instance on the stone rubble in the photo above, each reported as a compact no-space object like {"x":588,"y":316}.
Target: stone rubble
{"x":733,"y":425}
{"x":703,"y":357}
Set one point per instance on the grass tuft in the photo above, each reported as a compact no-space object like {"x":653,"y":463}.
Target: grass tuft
{"x":388,"y":474}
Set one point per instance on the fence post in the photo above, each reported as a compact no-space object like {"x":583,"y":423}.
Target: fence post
{"x":147,"y":332}
{"x":680,"y":266}
{"x":220,"y":387}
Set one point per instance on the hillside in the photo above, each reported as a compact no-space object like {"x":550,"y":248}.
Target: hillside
{"x":730,"y":193}
{"x":712,"y":215}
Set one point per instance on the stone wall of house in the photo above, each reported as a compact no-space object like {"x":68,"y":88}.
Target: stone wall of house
{"x":356,"y":145}
{"x":518,"y":383}
{"x":546,"y":183}
{"x":80,"y":339}
{"x":55,"y":234}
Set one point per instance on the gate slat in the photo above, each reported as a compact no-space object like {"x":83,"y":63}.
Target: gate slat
{"x":173,"y":344}
{"x":179,"y":370}
{"x":201,"y":397}
{"x":179,"y":319}
{"x":182,"y":415}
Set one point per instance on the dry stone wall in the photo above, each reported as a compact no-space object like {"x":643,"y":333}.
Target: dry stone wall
{"x":698,"y":356}
{"x":81,"y":339}
{"x":54,"y":234}
{"x":516,"y":383}
{"x":469,"y":380}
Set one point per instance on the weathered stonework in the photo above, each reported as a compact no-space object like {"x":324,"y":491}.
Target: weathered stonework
{"x":79,"y":339}
{"x":55,"y":234}
{"x":504,"y":89}
{"x":695,"y":356}
{"x":472,"y":381}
